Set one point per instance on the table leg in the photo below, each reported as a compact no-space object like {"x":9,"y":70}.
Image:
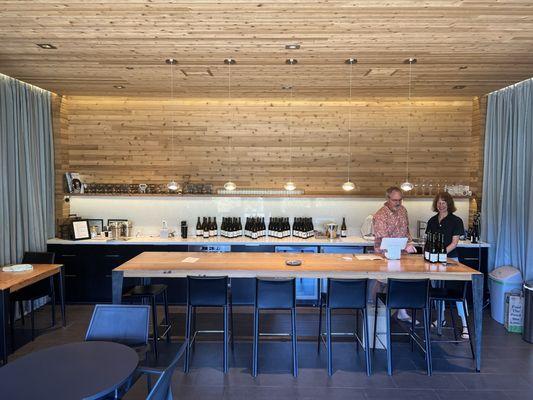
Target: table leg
{"x":477,"y":294}
{"x":4,"y":316}
{"x":116,"y":281}
{"x":439,"y":306}
{"x":62,"y":294}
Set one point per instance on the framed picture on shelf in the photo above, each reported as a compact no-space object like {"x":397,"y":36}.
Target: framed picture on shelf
{"x":115,"y":221}
{"x":80,"y":230}
{"x":98,"y":223}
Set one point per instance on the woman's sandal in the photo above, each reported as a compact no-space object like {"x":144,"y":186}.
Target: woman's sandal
{"x":435,"y":323}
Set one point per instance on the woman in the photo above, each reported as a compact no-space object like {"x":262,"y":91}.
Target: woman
{"x":451,"y":226}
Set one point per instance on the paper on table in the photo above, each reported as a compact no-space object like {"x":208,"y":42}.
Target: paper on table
{"x":190,"y":260}
{"x":369,"y":257}
{"x":347,"y":258}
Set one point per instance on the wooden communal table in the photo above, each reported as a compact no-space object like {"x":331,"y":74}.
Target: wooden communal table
{"x":251,"y":265}
{"x":12,"y":281}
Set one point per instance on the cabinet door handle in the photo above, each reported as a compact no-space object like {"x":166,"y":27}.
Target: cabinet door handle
{"x":470,"y":259}
{"x":112,"y":255}
{"x":70,"y":276}
{"x":68,"y":255}
{"x":108,"y":276}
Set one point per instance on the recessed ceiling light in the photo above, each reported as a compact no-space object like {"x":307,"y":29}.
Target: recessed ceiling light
{"x":286,"y":87}
{"x":463,"y":67}
{"x":129,"y":68}
{"x":459,"y":87}
{"x":229,"y":61}
{"x":171,"y":61}
{"x":410,"y":60}
{"x":293,"y":46}
{"x":46,"y":46}
{"x":119,"y":87}
{"x":291,"y":61}
{"x":351,"y":60}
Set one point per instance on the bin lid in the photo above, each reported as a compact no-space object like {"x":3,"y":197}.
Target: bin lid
{"x":528,"y":285}
{"x":506,"y":274}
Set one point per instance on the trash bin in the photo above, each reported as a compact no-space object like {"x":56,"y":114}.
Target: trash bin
{"x":527,"y":333}
{"x":502,"y":280}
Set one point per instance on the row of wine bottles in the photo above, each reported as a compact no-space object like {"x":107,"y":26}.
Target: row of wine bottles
{"x":207,"y":228}
{"x":434,"y":248}
{"x":255,"y":227}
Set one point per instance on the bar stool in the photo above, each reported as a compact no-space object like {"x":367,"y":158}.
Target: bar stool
{"x":205,"y":291}
{"x":149,"y":293}
{"x":275,"y":294}
{"x":451,"y":293}
{"x":348,"y":294}
{"x":404,"y":293}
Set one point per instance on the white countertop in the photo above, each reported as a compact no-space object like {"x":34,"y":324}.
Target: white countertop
{"x":357,"y":241}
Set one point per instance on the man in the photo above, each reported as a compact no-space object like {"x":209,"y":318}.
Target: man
{"x":392,"y":221}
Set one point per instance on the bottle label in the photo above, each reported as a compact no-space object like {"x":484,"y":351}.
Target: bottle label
{"x":433,"y":257}
{"x":442,"y":257}
{"x":426,"y":255}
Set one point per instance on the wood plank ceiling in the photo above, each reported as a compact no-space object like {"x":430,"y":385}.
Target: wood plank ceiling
{"x":481,"y":45}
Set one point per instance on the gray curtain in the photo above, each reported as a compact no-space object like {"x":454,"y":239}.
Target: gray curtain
{"x":507,"y":207}
{"x":27,"y":169}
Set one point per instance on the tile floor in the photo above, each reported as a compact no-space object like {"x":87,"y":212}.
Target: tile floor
{"x":507,"y":369}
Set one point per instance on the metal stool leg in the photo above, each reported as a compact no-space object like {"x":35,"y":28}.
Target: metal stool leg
{"x":389,"y":349}
{"x":255,"y":342}
{"x":470,"y":339}
{"x":231,"y":322}
{"x":328,"y":338}
{"x":225,"y":339}
{"x":376,"y":305}
{"x":154,"y":325}
{"x":294,"y":344}
{"x":53,"y":300}
{"x":32,"y":315}
{"x":193,"y":326}
{"x":453,"y":323}
{"x":318,"y":338}
{"x":188,"y":319}
{"x":427,"y":340}
{"x":413,"y":325}
{"x":367,"y":342}
{"x":12,"y":324}
{"x":357,"y":330}
{"x":167,"y":319}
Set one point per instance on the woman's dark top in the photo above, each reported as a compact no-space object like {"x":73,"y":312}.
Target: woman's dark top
{"x":450,"y":226}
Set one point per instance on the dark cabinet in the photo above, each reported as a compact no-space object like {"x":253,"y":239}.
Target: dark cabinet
{"x":88,"y":270}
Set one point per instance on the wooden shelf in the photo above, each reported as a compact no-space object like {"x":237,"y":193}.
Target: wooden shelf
{"x":341,"y":196}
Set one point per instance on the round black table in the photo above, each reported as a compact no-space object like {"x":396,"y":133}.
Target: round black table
{"x":86,"y":370}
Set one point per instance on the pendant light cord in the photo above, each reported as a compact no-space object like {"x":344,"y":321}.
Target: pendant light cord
{"x":171,"y":121}
{"x":291,"y":122}
{"x":350,"y":124}
{"x":408,"y":124}
{"x":232,"y":116}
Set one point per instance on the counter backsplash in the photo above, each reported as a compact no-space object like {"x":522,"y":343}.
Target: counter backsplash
{"x":147,"y":213}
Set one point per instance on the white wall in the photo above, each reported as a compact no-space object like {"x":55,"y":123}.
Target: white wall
{"x":148,"y":212}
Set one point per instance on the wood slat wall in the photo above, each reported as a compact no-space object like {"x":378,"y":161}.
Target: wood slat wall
{"x":129,"y":140}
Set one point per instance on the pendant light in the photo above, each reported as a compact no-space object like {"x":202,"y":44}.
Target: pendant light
{"x":289,"y":185}
{"x":408,"y":186}
{"x":229,"y":185}
{"x":172,"y":185}
{"x":349,"y":185}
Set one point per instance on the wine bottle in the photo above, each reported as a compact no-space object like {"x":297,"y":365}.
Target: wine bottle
{"x":343,"y":227}
{"x":443,"y":256}
{"x":433,"y":252}
{"x":215,"y":227}
{"x":205,"y":228}
{"x":199,"y":231}
{"x":426,"y":246}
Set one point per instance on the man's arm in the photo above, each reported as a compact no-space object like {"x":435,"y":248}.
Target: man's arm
{"x":380,"y":231}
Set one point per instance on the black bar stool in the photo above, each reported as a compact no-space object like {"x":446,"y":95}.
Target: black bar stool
{"x":347,"y":294}
{"x":275,"y":294}
{"x":405,"y":293}
{"x":207,"y":292}
{"x":451,"y":293}
{"x":143,"y":293}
